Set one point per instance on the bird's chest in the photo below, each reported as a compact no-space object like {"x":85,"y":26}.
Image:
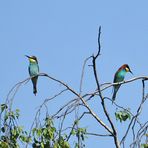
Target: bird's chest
{"x":33,"y":69}
{"x":121,"y":75}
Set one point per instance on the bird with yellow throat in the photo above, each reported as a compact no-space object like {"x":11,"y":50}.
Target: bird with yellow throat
{"x":33,"y":69}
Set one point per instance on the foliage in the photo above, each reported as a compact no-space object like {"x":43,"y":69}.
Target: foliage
{"x":11,"y":132}
{"x":122,"y":115}
{"x":81,"y":135}
{"x":44,"y":136}
{"x":144,"y":145}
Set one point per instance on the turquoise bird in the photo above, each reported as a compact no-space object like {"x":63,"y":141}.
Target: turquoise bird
{"x":33,"y":71}
{"x":119,"y":77}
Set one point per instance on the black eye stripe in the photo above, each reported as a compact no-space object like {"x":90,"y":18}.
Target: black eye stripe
{"x":127,"y":67}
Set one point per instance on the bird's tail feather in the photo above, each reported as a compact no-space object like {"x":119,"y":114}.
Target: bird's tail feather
{"x":115,"y":92}
{"x":34,"y":81}
{"x":113,"y":97}
{"x":34,"y":90}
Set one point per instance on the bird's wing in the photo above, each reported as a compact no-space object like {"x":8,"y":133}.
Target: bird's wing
{"x":118,"y":77}
{"x":29,"y":70}
{"x":115,"y":78}
{"x":38,"y":68}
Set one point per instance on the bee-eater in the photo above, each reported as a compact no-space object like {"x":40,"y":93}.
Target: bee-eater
{"x":119,"y":77}
{"x":33,"y":71}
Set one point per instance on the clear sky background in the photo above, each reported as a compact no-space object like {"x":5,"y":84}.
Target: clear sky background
{"x":62,"y":34}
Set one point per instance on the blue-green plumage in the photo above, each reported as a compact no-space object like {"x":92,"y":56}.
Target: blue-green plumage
{"x":119,"y":77}
{"x":33,"y":72}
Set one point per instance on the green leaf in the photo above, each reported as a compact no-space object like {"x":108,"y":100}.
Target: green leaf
{"x":3,"y":107}
{"x":56,"y":145}
{"x":3,"y":129}
{"x":4,"y":144}
{"x":76,"y":145}
{"x":66,"y":145}
{"x":6,"y":117}
{"x":39,"y":132}
{"x":17,"y":113}
{"x":34,"y":131}
{"x":42,"y":145}
{"x":73,"y":132}
{"x":45,"y":131}
{"x":122,"y":115}
{"x":12,"y":115}
{"x":144,"y":145}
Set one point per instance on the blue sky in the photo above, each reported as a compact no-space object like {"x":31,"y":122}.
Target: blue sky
{"x":62,"y":34}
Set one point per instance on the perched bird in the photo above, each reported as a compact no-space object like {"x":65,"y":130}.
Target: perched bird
{"x":33,"y":71}
{"x":119,"y":77}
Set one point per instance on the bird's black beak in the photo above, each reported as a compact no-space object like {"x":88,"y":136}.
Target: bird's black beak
{"x":131,"y":72}
{"x":27,"y":56}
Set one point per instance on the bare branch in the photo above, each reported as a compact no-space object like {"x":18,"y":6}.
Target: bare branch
{"x":81,"y":98}
{"x":134,"y":118}
{"x":107,"y":85}
{"x":100,"y":93}
{"x":82,"y":75}
{"x":99,"y":135}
